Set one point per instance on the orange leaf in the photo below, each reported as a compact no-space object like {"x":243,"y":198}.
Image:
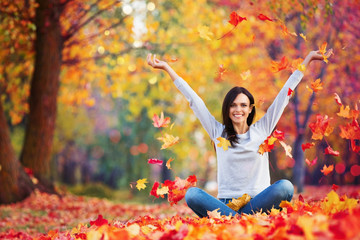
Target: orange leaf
{"x":350,"y":130}
{"x":278,"y":66}
{"x":238,"y":203}
{"x":327,"y":169}
{"x":267,"y":145}
{"x":317,"y":85}
{"x":321,"y":127}
{"x":221,"y":71}
{"x":168,"y":163}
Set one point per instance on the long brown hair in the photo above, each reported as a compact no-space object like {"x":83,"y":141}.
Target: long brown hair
{"x":229,"y":131}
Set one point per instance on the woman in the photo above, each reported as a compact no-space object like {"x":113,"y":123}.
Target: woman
{"x":241,"y":169}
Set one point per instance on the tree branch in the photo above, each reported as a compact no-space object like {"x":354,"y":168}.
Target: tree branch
{"x":76,"y":28}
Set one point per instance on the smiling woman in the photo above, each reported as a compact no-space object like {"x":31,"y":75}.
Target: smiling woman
{"x":242,"y":170}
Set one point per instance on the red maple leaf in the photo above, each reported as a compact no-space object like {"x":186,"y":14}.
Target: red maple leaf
{"x":290,"y":92}
{"x":99,"y":221}
{"x":330,"y":151}
{"x":334,"y":187}
{"x":279,"y":135}
{"x":155,"y":161}
{"x":262,"y":17}
{"x":235,"y":19}
{"x":306,"y":146}
{"x":154,"y":188}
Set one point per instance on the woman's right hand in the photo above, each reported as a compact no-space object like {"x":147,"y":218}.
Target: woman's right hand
{"x":156,"y":63}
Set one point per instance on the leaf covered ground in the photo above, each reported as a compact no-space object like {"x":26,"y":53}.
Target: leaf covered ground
{"x":318,"y":213}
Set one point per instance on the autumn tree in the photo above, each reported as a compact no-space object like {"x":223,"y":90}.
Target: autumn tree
{"x":57,"y":23}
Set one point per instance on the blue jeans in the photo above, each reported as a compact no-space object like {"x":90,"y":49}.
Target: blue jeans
{"x":201,"y":202}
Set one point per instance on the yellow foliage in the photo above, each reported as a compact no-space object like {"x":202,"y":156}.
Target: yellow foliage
{"x":333,"y":203}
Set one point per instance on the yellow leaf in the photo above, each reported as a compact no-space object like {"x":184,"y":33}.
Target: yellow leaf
{"x":162,"y":191}
{"x":169,"y":140}
{"x":245,"y":75}
{"x":214,"y":214}
{"x":238,"y":203}
{"x":306,"y":223}
{"x":344,"y":112}
{"x":224,"y":143}
{"x":302,"y":67}
{"x":133,"y":229}
{"x":303,"y":36}
{"x":204,"y":32}
{"x":317,"y":85}
{"x":140,"y":184}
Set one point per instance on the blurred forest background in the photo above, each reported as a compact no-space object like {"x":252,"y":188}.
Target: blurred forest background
{"x":77,"y":98}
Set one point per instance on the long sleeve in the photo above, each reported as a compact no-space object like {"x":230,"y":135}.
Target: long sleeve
{"x":274,"y":112}
{"x":211,"y":125}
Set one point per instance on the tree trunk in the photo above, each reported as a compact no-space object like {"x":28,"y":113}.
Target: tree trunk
{"x":37,"y":149}
{"x":299,"y":168}
{"x":15,"y":183}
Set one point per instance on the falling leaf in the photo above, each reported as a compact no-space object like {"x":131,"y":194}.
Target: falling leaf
{"x":316,"y":85}
{"x":168,"y":163}
{"x":337,"y":99}
{"x":290,"y":91}
{"x":160,"y":122}
{"x":334,"y":187}
{"x":220,"y":73}
{"x":162,"y":191}
{"x":321,"y":127}
{"x":262,"y":17}
{"x":204,"y":32}
{"x":169,"y":140}
{"x":311,"y":163}
{"x":215,"y":214}
{"x":140,"y":184}
{"x":236,"y":204}
{"x":235,"y":19}
{"x":278,"y":135}
{"x":350,"y":130}
{"x":224,"y":143}
{"x":287,"y":149}
{"x":153,"y":191}
{"x":245,"y":75}
{"x":327,"y":169}
{"x":322,"y":50}
{"x":155,"y":161}
{"x":303,"y":36}
{"x":346,"y":113}
{"x":286,"y":32}
{"x":278,"y":66}
{"x":307,"y":146}
{"x":267,"y":145}
{"x":297,"y":65}
{"x":330,"y":151}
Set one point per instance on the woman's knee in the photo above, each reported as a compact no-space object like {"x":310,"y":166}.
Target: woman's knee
{"x":285,"y":189}
{"x":192,"y":195}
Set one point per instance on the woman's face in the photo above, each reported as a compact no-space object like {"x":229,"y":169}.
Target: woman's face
{"x":240,"y":109}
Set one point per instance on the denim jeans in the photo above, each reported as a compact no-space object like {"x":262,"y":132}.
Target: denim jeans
{"x":201,"y":202}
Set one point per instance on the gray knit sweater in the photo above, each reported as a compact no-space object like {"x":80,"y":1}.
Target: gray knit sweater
{"x":241,"y":169}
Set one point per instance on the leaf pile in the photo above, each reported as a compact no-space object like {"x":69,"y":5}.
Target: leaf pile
{"x":315,"y":215}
